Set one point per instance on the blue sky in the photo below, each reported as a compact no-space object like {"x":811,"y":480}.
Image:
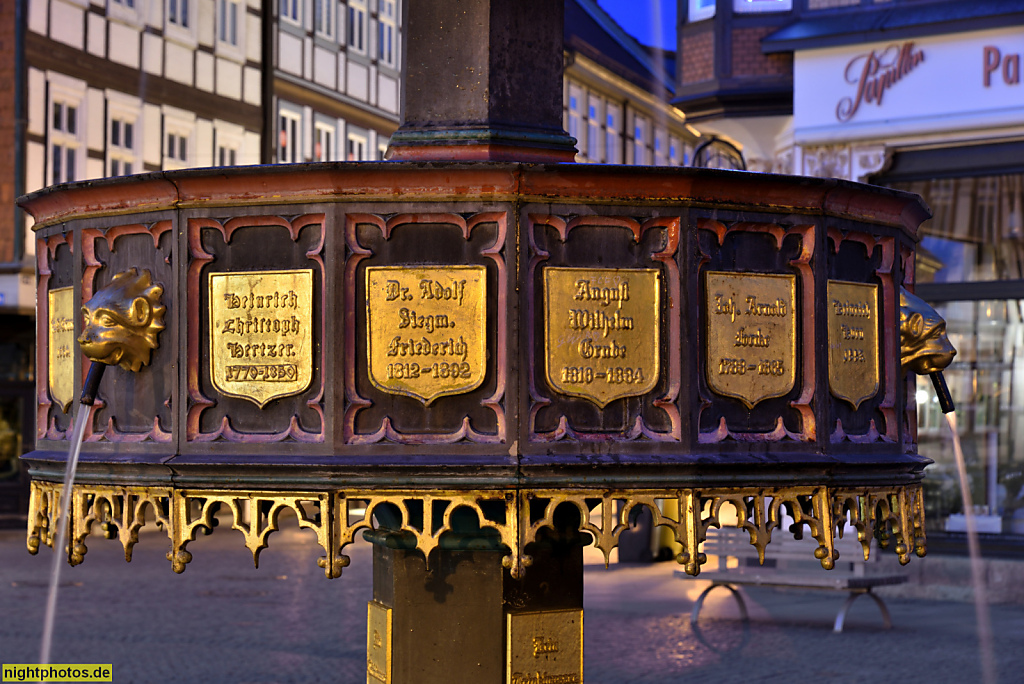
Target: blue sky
{"x":638,"y":17}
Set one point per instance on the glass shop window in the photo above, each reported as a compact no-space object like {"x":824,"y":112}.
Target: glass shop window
{"x":975,"y":239}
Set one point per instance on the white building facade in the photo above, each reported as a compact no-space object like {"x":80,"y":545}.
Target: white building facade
{"x":336,"y":79}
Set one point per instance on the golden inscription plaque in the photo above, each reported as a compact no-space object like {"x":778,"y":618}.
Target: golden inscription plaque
{"x":378,"y":643}
{"x":61,"y":371}
{"x":853,"y":372}
{"x":426,"y":329}
{"x":601,"y":331}
{"x":545,"y":646}
{"x":261,"y":333}
{"x":751,"y":335}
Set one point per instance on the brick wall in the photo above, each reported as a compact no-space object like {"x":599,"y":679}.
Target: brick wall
{"x":7,"y":119}
{"x":748,"y":60}
{"x":698,"y":60}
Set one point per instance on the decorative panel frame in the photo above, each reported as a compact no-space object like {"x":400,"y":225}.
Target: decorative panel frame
{"x":805,"y":329}
{"x":46,"y":254}
{"x":198,"y":259}
{"x":890,"y":340}
{"x":91,"y":268}
{"x":355,"y":402}
{"x":670,"y":329}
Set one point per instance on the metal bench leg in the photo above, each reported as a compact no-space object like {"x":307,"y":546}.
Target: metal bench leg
{"x":695,"y":613}
{"x":841,"y":617}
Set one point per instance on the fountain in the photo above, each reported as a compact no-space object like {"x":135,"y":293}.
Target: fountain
{"x":481,"y":357}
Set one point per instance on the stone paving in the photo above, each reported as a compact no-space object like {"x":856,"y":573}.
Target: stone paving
{"x":224,"y":621}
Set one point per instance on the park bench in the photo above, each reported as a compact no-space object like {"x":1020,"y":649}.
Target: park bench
{"x":790,"y":563}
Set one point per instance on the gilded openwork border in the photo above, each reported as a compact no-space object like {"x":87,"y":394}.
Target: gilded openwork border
{"x":515,"y":516}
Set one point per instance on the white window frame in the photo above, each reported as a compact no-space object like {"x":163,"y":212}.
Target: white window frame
{"x":757,"y":6}
{"x":701,"y":9}
{"x":325,"y":27}
{"x":290,"y":11}
{"x":675,"y":147}
{"x":357,"y":20}
{"x":574,"y":116}
{"x":289,"y":123}
{"x":325,"y":132}
{"x":358,"y":140}
{"x":612,"y":133}
{"x":594,"y":111}
{"x":230,"y":36}
{"x":660,"y":146}
{"x":122,"y":114}
{"x":640,"y":130}
{"x":127,"y":11}
{"x":183,"y":27}
{"x":179,"y":124}
{"x":387,"y":32}
{"x":71,"y":144}
{"x":228,"y":138}
{"x":382,"y":147}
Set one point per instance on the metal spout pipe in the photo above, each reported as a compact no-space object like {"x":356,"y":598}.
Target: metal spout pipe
{"x":942,"y":390}
{"x":92,"y":383}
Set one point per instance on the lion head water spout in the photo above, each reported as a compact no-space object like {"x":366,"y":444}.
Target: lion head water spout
{"x":122,"y":321}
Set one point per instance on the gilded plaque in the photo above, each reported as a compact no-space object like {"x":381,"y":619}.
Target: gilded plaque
{"x":61,"y":343}
{"x":426,"y":329}
{"x":853,"y":371}
{"x":261,"y":333}
{"x":601,"y":331}
{"x":545,"y":646}
{"x":751,"y":335}
{"x":378,"y":643}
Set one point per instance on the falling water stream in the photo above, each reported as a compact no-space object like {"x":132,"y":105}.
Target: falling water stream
{"x":977,"y":578}
{"x":61,"y":536}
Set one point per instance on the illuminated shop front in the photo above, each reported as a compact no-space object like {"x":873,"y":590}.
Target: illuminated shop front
{"x":940,"y":114}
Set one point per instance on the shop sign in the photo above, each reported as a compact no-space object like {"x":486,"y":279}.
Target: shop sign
{"x":875,"y":72}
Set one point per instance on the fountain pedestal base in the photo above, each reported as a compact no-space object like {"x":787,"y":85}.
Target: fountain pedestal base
{"x":462,"y":617}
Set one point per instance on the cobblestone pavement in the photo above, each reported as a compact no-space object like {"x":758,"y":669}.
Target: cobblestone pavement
{"x":224,"y":621}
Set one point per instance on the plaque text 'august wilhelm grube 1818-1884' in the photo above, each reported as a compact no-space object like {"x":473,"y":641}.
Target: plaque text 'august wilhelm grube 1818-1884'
{"x":601,"y":331}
